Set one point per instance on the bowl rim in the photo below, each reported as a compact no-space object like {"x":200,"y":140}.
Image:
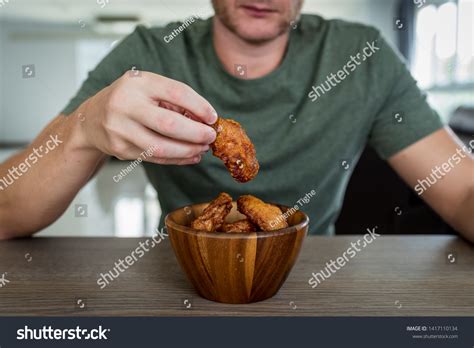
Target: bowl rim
{"x":259,"y":234}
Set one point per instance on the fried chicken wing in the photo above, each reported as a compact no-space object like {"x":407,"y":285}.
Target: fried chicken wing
{"x":234,"y":148}
{"x":266,"y":216}
{"x":214,"y":214}
{"x":240,"y":226}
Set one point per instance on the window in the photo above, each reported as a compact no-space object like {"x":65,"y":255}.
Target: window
{"x":444,"y":53}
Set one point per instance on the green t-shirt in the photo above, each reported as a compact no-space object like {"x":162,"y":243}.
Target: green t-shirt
{"x":309,"y":119}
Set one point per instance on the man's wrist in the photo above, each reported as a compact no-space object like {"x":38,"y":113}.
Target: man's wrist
{"x":78,"y":140}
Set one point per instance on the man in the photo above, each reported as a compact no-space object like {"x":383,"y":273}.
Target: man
{"x":310,"y":93}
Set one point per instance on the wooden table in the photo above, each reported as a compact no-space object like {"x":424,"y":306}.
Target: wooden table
{"x":393,"y":276}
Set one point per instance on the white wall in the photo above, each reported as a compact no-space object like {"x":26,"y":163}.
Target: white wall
{"x":28,"y":104}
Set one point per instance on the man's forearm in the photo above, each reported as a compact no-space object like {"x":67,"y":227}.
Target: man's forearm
{"x":37,"y":185}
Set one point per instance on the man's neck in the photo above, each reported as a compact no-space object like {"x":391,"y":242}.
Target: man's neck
{"x":254,"y":60}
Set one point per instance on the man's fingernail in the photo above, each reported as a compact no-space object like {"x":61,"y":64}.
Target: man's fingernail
{"x":205,"y":148}
{"x":214,"y":116}
{"x":212,"y":136}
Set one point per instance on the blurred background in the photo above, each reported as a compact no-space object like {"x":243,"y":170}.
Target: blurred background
{"x":48,"y":46}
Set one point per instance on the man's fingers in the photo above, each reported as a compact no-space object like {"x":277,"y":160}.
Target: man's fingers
{"x":158,"y":146}
{"x":169,"y":106}
{"x":174,"y":125}
{"x":181,"y":95}
{"x":175,"y":161}
{"x":144,"y":154}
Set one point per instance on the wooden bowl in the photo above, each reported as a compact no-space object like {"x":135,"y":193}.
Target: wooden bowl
{"x":235,"y":267}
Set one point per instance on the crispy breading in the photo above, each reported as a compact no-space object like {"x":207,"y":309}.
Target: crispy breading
{"x":240,"y":226}
{"x":214,"y":214}
{"x":268,"y":217}
{"x":234,"y":148}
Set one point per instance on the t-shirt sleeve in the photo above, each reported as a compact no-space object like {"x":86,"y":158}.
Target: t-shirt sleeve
{"x":123,"y":57}
{"x":403,"y":116}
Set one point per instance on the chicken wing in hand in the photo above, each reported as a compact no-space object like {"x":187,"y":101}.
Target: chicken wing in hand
{"x":234,"y":148}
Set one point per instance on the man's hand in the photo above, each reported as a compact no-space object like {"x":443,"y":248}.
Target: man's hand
{"x":134,"y":114}
{"x":149,"y":111}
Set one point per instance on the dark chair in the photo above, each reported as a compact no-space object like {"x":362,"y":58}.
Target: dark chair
{"x":377,"y":196}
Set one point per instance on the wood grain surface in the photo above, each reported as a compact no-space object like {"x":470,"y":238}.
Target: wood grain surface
{"x":393,"y":276}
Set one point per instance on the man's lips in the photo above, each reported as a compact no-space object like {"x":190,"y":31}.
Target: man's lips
{"x":257,"y":11}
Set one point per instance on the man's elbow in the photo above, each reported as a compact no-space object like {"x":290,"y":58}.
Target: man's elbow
{"x":467,"y":233}
{"x":15,"y":230}
{"x":7,"y":233}
{"x":4,"y":235}
{"x":3,"y":227}
{"x":6,"y":227}
{"x":463,"y":219}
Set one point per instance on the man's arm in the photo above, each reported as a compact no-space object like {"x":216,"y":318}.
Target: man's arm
{"x":130,"y":116}
{"x":450,"y":165}
{"x":52,"y":177}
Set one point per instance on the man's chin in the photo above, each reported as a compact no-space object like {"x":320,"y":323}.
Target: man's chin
{"x":257,"y":35}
